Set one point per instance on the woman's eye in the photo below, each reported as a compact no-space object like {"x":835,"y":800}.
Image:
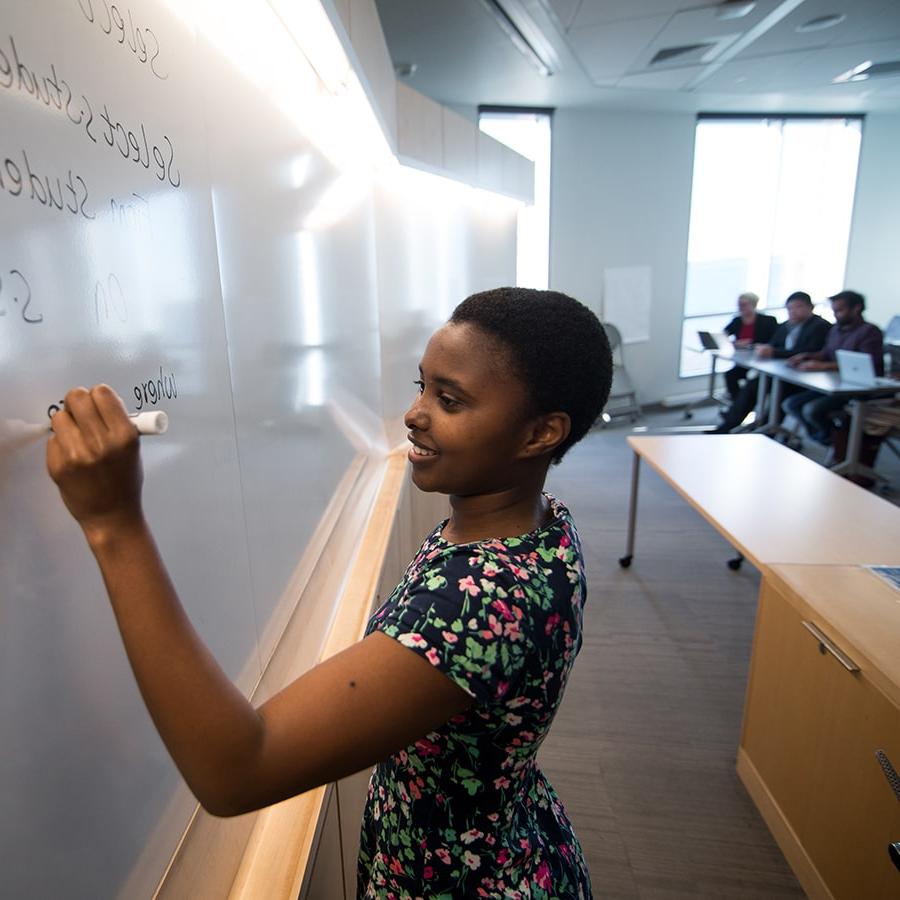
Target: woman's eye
{"x":448,"y":402}
{"x":420,"y":385}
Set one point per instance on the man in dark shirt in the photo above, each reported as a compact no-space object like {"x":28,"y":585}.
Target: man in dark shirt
{"x":803,"y":332}
{"x":851,"y":332}
{"x":746,"y":329}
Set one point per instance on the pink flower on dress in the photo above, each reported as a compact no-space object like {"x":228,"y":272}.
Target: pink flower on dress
{"x":427,"y":748}
{"x":413,"y":639}
{"x":542,"y":876}
{"x":443,"y":855}
{"x":519,"y":573}
{"x":503,"y":609}
{"x":468,"y":837}
{"x":449,"y":637}
{"x":552,"y":622}
{"x":511,"y":630}
{"x":468,"y":585}
{"x":428,"y":872}
{"x":472,"y":860}
{"x":432,"y":656}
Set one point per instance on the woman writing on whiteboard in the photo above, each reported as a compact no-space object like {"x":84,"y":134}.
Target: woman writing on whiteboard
{"x":462,"y":669}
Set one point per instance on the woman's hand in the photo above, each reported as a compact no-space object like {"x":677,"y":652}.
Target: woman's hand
{"x":93,"y":456}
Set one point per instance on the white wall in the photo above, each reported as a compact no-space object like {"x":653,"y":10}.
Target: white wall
{"x":620,"y":196}
{"x":873,"y":264}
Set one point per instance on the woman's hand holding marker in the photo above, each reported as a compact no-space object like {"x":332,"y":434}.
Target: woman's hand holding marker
{"x":93,"y":456}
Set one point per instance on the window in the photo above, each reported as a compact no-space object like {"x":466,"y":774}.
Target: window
{"x":528,"y":132}
{"x":771,"y":206}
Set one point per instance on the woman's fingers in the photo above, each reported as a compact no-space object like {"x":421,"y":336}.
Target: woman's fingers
{"x":80,"y":405}
{"x":112,"y":411}
{"x":93,"y":456}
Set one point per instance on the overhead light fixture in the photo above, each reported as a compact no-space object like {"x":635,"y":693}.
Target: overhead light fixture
{"x":525,"y":35}
{"x":857,"y":73}
{"x":405,"y":69}
{"x":735,"y":9}
{"x":820,"y":23}
{"x":868,"y":69}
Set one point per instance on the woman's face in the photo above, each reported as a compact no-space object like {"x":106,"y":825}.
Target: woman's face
{"x":467,"y":425}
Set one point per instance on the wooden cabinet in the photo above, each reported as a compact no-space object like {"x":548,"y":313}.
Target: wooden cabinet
{"x":816,"y":716}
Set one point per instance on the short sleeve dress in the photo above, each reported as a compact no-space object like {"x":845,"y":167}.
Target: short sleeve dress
{"x":465,"y":811}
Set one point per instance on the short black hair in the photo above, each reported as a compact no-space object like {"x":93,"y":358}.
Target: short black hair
{"x":557,"y":346}
{"x":851,"y":298}
{"x":799,"y":295}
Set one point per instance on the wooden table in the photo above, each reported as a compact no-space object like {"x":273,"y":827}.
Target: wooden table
{"x":772,"y":504}
{"x":820,"y":741}
{"x":820,"y":744}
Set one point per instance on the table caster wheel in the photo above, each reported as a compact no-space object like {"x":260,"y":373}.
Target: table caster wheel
{"x":624,"y":561}
{"x":735,"y":564}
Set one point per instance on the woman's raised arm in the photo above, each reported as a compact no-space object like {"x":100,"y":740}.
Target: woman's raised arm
{"x":343,"y":715}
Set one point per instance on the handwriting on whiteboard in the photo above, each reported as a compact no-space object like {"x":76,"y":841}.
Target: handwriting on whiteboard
{"x":149,"y":393}
{"x":109,"y":300}
{"x":15,"y":297}
{"x":24,"y":180}
{"x":54,"y":92}
{"x":109,"y":19}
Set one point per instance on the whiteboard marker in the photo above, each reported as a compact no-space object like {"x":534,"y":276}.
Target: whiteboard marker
{"x":155,"y":422}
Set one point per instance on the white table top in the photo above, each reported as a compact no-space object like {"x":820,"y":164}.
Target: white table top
{"x":823,"y":382}
{"x":773,"y":504}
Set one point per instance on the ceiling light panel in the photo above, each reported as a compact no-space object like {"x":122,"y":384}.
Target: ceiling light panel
{"x":608,"y":51}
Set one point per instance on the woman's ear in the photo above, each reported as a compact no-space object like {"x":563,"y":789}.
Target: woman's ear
{"x":546,"y":434}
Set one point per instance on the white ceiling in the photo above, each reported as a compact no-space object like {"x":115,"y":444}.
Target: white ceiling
{"x":758,"y":63}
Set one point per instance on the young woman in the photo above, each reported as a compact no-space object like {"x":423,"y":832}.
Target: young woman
{"x":462,"y":669}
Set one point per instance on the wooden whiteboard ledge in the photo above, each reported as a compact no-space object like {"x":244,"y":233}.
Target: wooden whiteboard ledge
{"x":284,"y":836}
{"x":267,"y":853}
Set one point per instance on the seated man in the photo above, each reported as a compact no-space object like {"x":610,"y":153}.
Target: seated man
{"x":851,"y":332}
{"x":803,"y":332}
{"x":746,"y":329}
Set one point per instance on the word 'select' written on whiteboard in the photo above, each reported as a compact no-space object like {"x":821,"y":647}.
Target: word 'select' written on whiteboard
{"x":626,"y":301}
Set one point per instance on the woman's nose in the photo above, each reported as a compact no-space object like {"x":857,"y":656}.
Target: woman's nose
{"x":416,"y":416}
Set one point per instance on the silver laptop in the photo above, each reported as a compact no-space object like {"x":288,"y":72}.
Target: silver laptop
{"x":858,"y":368}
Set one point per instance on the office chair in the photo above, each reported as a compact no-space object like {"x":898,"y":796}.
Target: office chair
{"x":622,"y":396}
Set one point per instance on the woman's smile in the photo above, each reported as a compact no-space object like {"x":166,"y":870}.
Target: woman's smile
{"x":418,"y":453}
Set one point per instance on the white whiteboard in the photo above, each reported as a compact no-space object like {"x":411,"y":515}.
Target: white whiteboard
{"x":203,"y":278}
{"x":627,"y":294}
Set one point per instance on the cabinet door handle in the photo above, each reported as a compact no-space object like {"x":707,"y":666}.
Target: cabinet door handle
{"x":825,"y":644}
{"x":889,"y":772}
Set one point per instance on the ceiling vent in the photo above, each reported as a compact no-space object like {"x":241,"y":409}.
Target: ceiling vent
{"x":685,"y":53}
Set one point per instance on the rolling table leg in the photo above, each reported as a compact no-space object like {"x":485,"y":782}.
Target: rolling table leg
{"x":773,"y":422}
{"x":625,"y":561}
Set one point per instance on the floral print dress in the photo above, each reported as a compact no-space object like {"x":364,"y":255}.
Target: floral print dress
{"x":465,"y":811}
